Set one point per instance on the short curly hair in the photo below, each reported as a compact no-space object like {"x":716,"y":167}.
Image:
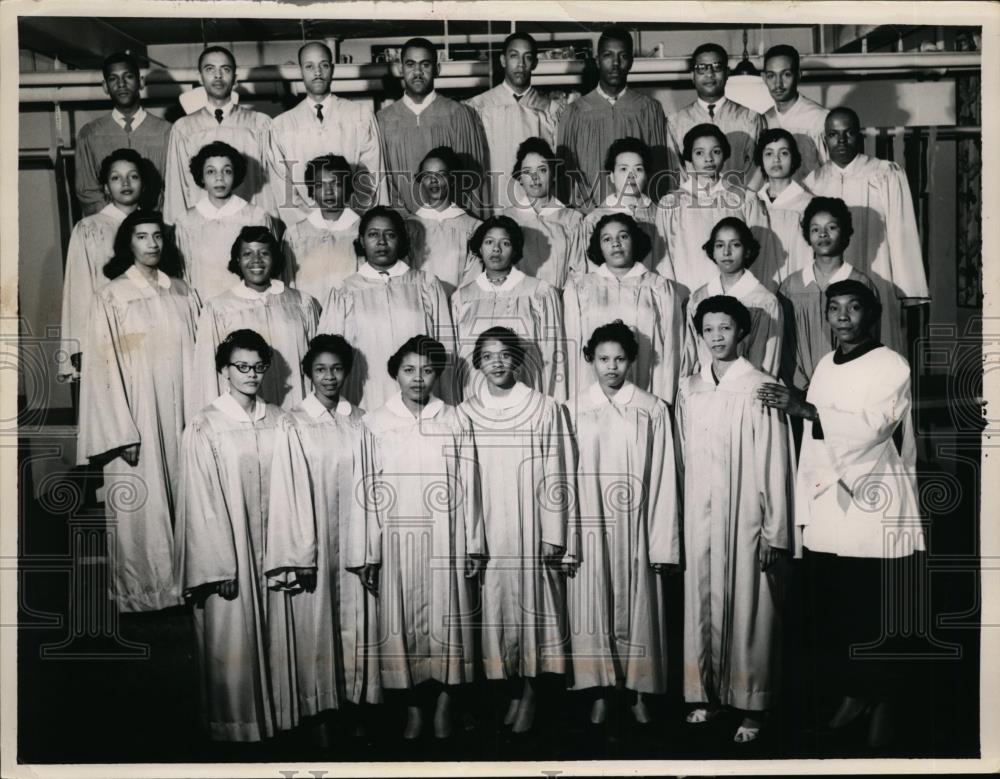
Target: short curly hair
{"x":777,"y":134}
{"x":836,"y":208}
{"x":250,"y":340}
{"x":513,"y":230}
{"x":705,"y":130}
{"x":218,"y":149}
{"x":424,"y":346}
{"x":751,"y":246}
{"x":504,"y":335}
{"x":641,"y":243}
{"x":624,"y":146}
{"x":326,"y":343}
{"x":539,"y":146}
{"x":334,"y":163}
{"x":723,"y":304}
{"x":257,"y":234}
{"x":398,"y":223}
{"x":613,"y":332}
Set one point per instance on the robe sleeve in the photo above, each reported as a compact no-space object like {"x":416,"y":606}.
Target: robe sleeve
{"x":436,"y":304}
{"x":364,"y":518}
{"x":566,"y":135}
{"x":666,"y":225}
{"x":282,"y":179}
{"x":370,"y":161}
{"x":88,"y":190}
{"x":666,"y":371}
{"x":175,"y":195}
{"x":576,"y":249}
{"x":471,"y":505}
{"x":905,"y":252}
{"x":575,"y":341}
{"x":690,"y":360}
{"x":333,"y":318}
{"x":470,"y":141}
{"x":765,"y":339}
{"x":680,"y":431}
{"x":552,"y":343}
{"x":77,"y":301}
{"x":754,"y":130}
{"x":662,"y":523}
{"x":774,"y":475}
{"x":559,"y":477}
{"x":208,"y":384}
{"x":378,"y":494}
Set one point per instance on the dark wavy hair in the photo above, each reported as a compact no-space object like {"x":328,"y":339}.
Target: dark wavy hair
{"x":751,"y":246}
{"x":121,"y":155}
{"x":539,"y":146}
{"x":257,"y":234}
{"x":250,"y":340}
{"x":513,"y":230}
{"x":641,"y":243}
{"x":836,"y":208}
{"x":423,"y":345}
{"x":705,"y":130}
{"x":777,"y":134}
{"x":705,"y":48}
{"x":325,"y":343}
{"x":783,"y":50}
{"x":402,"y":235}
{"x":723,"y":304}
{"x":613,"y":332}
{"x":504,"y":335}
{"x":519,"y":36}
{"x":865,"y":295}
{"x":122,"y":259}
{"x":218,"y":149}
{"x":334,"y":163}
{"x":624,"y":145}
{"x":216,"y":50}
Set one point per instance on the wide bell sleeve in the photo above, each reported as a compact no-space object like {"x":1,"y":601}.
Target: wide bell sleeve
{"x":669,"y":351}
{"x":175,"y":194}
{"x":547,"y":312}
{"x":575,"y":339}
{"x":662,"y":519}
{"x":774,"y":468}
{"x":766,"y":338}
{"x":364,"y":518}
{"x":89,"y":192}
{"x":905,"y":252}
{"x":381,"y":497}
{"x":207,"y":383}
{"x":435,"y":301}
{"x":78,"y":299}
{"x":556,"y":495}
{"x":471,"y":503}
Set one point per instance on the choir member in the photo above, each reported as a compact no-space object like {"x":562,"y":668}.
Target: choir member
{"x":502,"y":295}
{"x":733,"y":249}
{"x":426,"y":547}
{"x":626,"y":532}
{"x":316,"y":539}
{"x":205,"y":232}
{"x":128,"y":126}
{"x":423,"y":120}
{"x":622,"y":288}
{"x":323,"y":124}
{"x":527,"y":472}
{"x":611,"y":111}
{"x":512,"y":112}
{"x":741,"y":125}
{"x":439,"y":229}
{"x":222,"y":528}
{"x":858,"y":400}
{"x":737,"y":465}
{"x":554,"y":239}
{"x":382,"y":304}
{"x":134,"y":402}
{"x":785,"y":200}
{"x":259,"y":301}
{"x":220,"y":119}
{"x":320,"y":248}
{"x":91,"y":244}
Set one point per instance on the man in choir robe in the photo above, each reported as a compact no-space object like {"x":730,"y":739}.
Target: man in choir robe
{"x":220,"y":119}
{"x":742,"y":126}
{"x":511,"y":112}
{"x":423,"y":120}
{"x":611,"y":111}
{"x":319,"y":125}
{"x":128,"y":126}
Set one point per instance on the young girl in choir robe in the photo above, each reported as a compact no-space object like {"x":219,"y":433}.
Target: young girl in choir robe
{"x":134,"y":403}
{"x":527,"y":471}
{"x":554,"y":239}
{"x":90,"y":246}
{"x":503,"y":295}
{"x":206,"y":231}
{"x":622,"y":288}
{"x":440,"y":230}
{"x":222,"y":530}
{"x":736,"y":458}
{"x":285,"y":317}
{"x":626,"y":530}
{"x":733,"y":248}
{"x":319,"y":249}
{"x":382,"y":305}
{"x":318,"y":521}
{"x":426,"y":547}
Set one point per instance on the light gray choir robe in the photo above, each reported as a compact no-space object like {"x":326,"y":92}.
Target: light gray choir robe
{"x":439,"y":244}
{"x":644,"y":213}
{"x":732,"y":610}
{"x":806,"y":121}
{"x":429,"y":518}
{"x":555,"y":243}
{"x":136,"y":390}
{"x":532,"y":309}
{"x":784,"y":218}
{"x":318,"y":518}
{"x":527,"y":473}
{"x":627,"y":520}
{"x":285,"y":318}
{"x":221,"y":532}
{"x":320,"y":254}
{"x":742,"y":127}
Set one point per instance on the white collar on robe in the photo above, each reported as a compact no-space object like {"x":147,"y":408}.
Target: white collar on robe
{"x":747,"y":284}
{"x":852,"y":167}
{"x":613,"y":201}
{"x":195,"y":99}
{"x":717,"y":103}
{"x":739,"y":367}
{"x":513,"y":279}
{"x":517,"y":395}
{"x":232,"y":206}
{"x":809,"y":275}
{"x":311,"y":405}
{"x":137,"y":277}
{"x":792,"y":191}
{"x":326,"y":102}
{"x":113,"y":212}
{"x":137,"y":117}
{"x":609,"y":98}
{"x":597,"y":398}
{"x":434,"y":215}
{"x":419,"y":108}
{"x":396,"y":406}
{"x":243,"y":291}
{"x":369,"y":272}
{"x":347,"y":219}
{"x":227,"y":404}
{"x":510,"y":89}
{"x":636,"y":270}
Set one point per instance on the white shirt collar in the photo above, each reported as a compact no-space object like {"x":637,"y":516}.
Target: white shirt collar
{"x":311,"y":405}
{"x":138,"y":278}
{"x":369,"y":272}
{"x":613,"y":201}
{"x":230,"y":207}
{"x":227,"y":404}
{"x":326,"y":102}
{"x":739,"y":367}
{"x":227,"y":109}
{"x":746,"y":284}
{"x":597,"y":398}
{"x":608,"y":97}
{"x":717,"y":103}
{"x":195,"y":99}
{"x":396,"y":406}
{"x":636,"y":270}
{"x":513,"y":279}
{"x":347,"y":219}
{"x":419,"y":108}
{"x":510,"y":89}
{"x":243,"y":291}
{"x":517,"y":395}
{"x":137,"y":117}
{"x":113,"y":212}
{"x":809,"y":275}
{"x":434,"y":215}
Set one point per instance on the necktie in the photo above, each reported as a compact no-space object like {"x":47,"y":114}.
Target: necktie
{"x":219,"y":115}
{"x":319,"y":112}
{"x":711,"y":110}
{"x":128,"y":124}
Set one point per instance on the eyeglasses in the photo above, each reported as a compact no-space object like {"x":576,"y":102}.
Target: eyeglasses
{"x":709,"y":67}
{"x":245,"y":367}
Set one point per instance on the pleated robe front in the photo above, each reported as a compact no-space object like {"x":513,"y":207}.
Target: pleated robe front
{"x":627,"y":520}
{"x":738,"y":473}
{"x":555,"y":244}
{"x":784,"y":217}
{"x":320,"y":254}
{"x":441,"y":247}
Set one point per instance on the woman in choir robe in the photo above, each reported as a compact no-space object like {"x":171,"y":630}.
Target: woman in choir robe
{"x":222,"y":529}
{"x":285,"y":317}
{"x":318,"y":522}
{"x":425,"y":549}
{"x":134,"y":403}
{"x":736,"y":459}
{"x":626,"y":531}
{"x":784,"y":199}
{"x":526,"y":471}
{"x":440,"y":230}
{"x":733,"y":248}
{"x":382,"y":305}
{"x":622,"y":288}
{"x":857,"y":502}
{"x":503,"y":295}
{"x":827,"y":226}
{"x":319,"y":249}
{"x":554,"y":240}
{"x":206,"y":231}
{"x":91,"y":245}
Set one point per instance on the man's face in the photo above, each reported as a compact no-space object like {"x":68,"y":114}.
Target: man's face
{"x":122,"y":84}
{"x":710,"y":73}
{"x":218,"y":75}
{"x":419,"y":70}
{"x":781,"y":78}
{"x":518,"y":62}
{"x":842,"y":136}
{"x":614,"y":61}
{"x":316,"y":68}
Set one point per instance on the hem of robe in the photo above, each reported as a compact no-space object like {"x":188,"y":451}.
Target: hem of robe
{"x":588,"y":675}
{"x":236,"y":731}
{"x":747,"y":700}
{"x":419,"y":670}
{"x":496,"y":670}
{"x":150,"y":600}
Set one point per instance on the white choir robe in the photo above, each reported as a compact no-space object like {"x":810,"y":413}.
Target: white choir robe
{"x":285,"y":318}
{"x":806,"y":121}
{"x":645,"y":301}
{"x":221,"y":533}
{"x":136,"y":390}
{"x":732,"y":610}
{"x":527,"y":473}
{"x":91,"y":245}
{"x":318,"y":518}
{"x":763,"y":344}
{"x":644,"y":213}
{"x":627,"y":520}
{"x":377,"y":315}
{"x":205,"y":236}
{"x":319,"y":254}
{"x":429,"y":519}
{"x":507,"y":123}
{"x":555,"y":245}
{"x":244,"y":129}
{"x":742,"y":127}
{"x":784,"y":217}
{"x":532,"y":309}
{"x":439,"y":245}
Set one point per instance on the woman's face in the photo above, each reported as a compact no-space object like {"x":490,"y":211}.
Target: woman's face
{"x":434,"y":186}
{"x":256,"y":263}
{"x":629,"y":174}
{"x":219,"y":176}
{"x":380,"y":242}
{"x":147,"y":244}
{"x":328,"y":191}
{"x":497,"y":250}
{"x":535,"y":176}
{"x":721,"y":335}
{"x":416,"y":378}
{"x":825,"y":235}
{"x":245,"y":383}
{"x":847,"y":316}
{"x":498,"y":363}
{"x":124,"y":185}
{"x":777,"y":159}
{"x":728,"y":250}
{"x":611,"y":364}
{"x":706,"y":155}
{"x":616,"y":245}
{"x":327,"y":375}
